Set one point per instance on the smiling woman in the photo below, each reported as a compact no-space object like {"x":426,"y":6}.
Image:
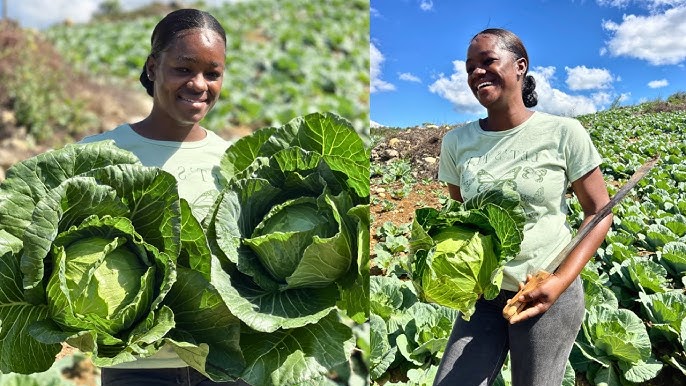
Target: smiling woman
{"x":183,"y":74}
{"x":481,"y":158}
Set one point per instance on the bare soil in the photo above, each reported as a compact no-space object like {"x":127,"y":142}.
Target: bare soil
{"x":421,"y":146}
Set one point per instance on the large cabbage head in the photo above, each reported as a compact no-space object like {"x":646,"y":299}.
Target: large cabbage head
{"x":281,"y":239}
{"x":98,"y":237}
{"x":458,"y":253}
{"x":292,"y":234}
{"x":100,"y":284}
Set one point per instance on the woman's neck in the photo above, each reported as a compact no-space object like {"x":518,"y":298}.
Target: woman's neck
{"x":505,"y":119}
{"x":170,"y":131}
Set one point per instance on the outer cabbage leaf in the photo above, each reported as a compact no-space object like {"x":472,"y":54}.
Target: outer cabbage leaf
{"x":16,"y":314}
{"x":383,"y":354}
{"x":28,"y":181}
{"x":206,"y":334}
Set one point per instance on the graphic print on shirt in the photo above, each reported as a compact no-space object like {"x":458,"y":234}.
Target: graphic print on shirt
{"x":527,"y":181}
{"x":205,"y":188}
{"x":488,"y":182}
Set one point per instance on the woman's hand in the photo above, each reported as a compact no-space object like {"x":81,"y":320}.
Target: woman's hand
{"x":541,"y":298}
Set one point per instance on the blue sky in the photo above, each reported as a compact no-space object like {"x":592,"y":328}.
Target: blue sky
{"x":583,"y":54}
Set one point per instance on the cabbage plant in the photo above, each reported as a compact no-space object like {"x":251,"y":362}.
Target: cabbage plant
{"x":92,"y":253}
{"x":458,"y":253}
{"x":291,"y":233}
{"x":613,"y":347}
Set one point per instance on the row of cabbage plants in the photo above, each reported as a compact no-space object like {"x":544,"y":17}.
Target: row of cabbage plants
{"x":283,"y":59}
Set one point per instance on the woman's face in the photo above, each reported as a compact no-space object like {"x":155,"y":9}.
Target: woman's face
{"x":493,"y":73}
{"x":188,"y":76}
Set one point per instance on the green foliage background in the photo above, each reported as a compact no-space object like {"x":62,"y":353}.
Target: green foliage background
{"x":285,"y":58}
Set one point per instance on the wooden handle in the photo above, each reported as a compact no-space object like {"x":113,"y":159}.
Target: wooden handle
{"x":514,"y":306}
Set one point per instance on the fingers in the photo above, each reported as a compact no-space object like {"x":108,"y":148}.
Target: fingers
{"x":529,"y":312}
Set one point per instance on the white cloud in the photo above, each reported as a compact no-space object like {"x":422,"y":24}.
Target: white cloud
{"x":376,"y":58}
{"x":375,"y":125}
{"x":658,"y":83}
{"x":44,"y":13}
{"x":584,"y":78}
{"x":554,"y":101}
{"x":31,"y":15}
{"x":426,"y":5}
{"x":455,"y":90}
{"x":373,"y":12}
{"x":601,"y":98}
{"x":658,"y":39}
{"x":409,"y":77}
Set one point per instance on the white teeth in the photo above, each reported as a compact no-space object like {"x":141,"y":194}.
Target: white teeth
{"x":192,"y":100}
{"x":484,"y":84}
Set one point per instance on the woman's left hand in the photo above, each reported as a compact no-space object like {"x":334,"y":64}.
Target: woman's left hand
{"x":540,"y":299}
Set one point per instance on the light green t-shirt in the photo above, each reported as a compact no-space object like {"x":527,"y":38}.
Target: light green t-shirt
{"x":194,"y":164}
{"x":538,"y":158}
{"x":195,"y":167}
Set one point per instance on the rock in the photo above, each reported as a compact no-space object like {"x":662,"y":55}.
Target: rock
{"x":393,"y":142}
{"x":8,"y":158}
{"x":382,"y":195}
{"x":380,"y":190}
{"x":7,"y":118}
{"x":430,"y":160}
{"x":391,"y":153}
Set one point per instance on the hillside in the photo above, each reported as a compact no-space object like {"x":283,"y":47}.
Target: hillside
{"x":640,"y":269}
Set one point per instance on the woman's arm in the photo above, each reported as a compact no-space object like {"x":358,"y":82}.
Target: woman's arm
{"x":455,"y":192}
{"x":592,"y":194}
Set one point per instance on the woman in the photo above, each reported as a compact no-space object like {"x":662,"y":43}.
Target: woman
{"x":538,"y":155}
{"x":183,"y":74}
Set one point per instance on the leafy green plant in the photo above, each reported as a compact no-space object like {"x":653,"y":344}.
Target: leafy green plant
{"x":613,"y":347}
{"x":387,"y":205}
{"x":291,"y":232}
{"x":458,"y":253}
{"x":89,"y":241}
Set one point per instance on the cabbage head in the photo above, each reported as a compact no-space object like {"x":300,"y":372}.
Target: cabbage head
{"x":458,"y":253}
{"x":291,"y":232}
{"x":89,"y":245}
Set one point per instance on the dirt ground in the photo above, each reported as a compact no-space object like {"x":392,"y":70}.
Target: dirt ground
{"x":421,"y":147}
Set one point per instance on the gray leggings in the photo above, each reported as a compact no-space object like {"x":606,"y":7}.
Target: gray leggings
{"x":539,"y":347}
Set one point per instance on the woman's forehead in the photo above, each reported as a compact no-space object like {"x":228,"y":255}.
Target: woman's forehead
{"x":485,"y":44}
{"x":196,"y":41}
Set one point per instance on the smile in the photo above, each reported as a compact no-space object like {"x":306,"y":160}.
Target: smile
{"x":193,"y":100}
{"x":484,"y":84}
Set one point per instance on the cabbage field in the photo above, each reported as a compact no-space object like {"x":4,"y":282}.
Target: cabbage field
{"x":283,"y":59}
{"x":634,"y":331}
